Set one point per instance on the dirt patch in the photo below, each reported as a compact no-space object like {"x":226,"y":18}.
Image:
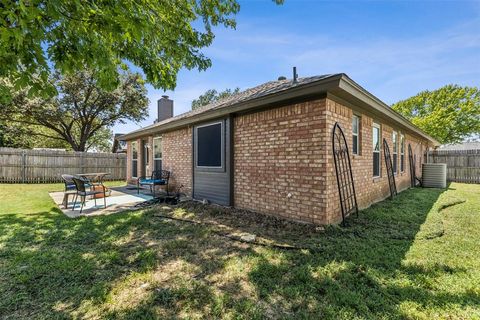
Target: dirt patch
{"x":236,"y":223}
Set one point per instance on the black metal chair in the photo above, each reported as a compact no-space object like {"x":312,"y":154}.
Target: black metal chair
{"x":158,"y":178}
{"x":81,"y":185}
{"x":69,"y":188}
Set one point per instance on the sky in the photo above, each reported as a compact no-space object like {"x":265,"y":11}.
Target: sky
{"x":394,"y":49}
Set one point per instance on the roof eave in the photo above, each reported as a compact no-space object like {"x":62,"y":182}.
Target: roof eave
{"x":338,"y":84}
{"x":313,"y":88}
{"x":354,"y":90}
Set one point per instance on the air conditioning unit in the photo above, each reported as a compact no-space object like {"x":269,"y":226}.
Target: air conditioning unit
{"x":434,"y":175}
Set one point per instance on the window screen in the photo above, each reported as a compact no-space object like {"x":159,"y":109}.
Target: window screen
{"x":402,"y":153}
{"x":376,"y":150}
{"x":157,"y":153}
{"x":146,"y":155}
{"x":209,"y":146}
{"x":355,"y":134}
{"x":395,"y":155}
{"x":376,"y":164}
{"x":134,"y":160}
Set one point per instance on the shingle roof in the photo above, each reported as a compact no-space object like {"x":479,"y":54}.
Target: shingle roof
{"x":474,"y":145}
{"x":274,"y":92}
{"x":246,"y":95}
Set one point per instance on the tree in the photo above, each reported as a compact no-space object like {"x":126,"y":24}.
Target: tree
{"x":449,"y":114}
{"x":18,"y":135}
{"x":82,"y":110}
{"x":212,"y":95}
{"x":160,"y":37}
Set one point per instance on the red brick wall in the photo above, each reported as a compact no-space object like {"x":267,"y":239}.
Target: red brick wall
{"x":283,"y":162}
{"x":279,"y":160}
{"x":368,"y":189}
{"x":177,"y":158}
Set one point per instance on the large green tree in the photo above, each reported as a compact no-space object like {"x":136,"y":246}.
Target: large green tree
{"x":449,"y":114}
{"x":82,"y":110}
{"x":159,"y":37}
{"x":213,"y":95}
{"x":19,"y":135}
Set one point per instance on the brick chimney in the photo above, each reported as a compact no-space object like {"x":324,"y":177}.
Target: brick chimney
{"x":165,"y":108}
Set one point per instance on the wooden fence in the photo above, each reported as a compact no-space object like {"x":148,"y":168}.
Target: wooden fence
{"x":462,"y":165}
{"x":40,"y":166}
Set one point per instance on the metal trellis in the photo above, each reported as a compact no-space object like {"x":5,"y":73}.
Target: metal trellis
{"x":413,"y":175}
{"x":343,"y":170}
{"x":390,"y":173}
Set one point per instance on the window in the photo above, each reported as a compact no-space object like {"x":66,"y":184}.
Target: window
{"x":209,"y":145}
{"x":402,"y":153}
{"x":355,"y":134}
{"x":376,"y":150}
{"x":134,"y":159}
{"x":122,"y":145}
{"x":146,"y":152}
{"x":395,"y":151}
{"x":157,"y":153}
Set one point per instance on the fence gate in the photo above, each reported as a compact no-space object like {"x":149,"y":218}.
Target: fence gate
{"x":343,"y":170}
{"x":390,"y":173}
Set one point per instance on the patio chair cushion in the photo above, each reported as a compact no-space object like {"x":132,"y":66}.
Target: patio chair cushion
{"x":152,"y":181}
{"x":71,"y":187}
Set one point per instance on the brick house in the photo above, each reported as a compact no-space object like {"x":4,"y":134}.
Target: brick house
{"x":269,"y":148}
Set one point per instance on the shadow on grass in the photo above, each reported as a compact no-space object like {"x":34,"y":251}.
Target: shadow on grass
{"x":134,"y":265}
{"x":55,"y":267}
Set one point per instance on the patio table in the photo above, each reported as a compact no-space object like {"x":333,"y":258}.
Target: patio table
{"x":95,"y":178}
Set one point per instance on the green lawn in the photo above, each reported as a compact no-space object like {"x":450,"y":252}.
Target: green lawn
{"x":416,"y":257}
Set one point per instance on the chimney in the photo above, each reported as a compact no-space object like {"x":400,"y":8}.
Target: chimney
{"x":295,"y":75}
{"x":165,"y":108}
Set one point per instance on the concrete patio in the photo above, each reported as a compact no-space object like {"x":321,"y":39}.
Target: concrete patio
{"x":120,"y":199}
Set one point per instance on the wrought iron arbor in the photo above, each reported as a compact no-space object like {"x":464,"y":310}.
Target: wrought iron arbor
{"x":390,"y":173}
{"x":343,"y":170}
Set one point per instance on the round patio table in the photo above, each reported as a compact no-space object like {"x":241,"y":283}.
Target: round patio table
{"x":95,"y":178}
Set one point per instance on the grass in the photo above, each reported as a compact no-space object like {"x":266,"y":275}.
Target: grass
{"x":414,"y":257}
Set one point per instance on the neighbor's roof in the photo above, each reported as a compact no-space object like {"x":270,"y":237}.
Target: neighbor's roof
{"x":474,"y":145}
{"x":273,"y":92}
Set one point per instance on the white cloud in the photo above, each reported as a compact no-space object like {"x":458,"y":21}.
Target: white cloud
{"x":390,"y":68}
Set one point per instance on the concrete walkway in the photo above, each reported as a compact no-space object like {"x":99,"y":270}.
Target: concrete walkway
{"x":120,"y":199}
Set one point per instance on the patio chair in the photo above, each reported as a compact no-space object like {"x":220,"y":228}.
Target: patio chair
{"x":70,"y":189}
{"x":81,"y":186}
{"x":158,"y":178}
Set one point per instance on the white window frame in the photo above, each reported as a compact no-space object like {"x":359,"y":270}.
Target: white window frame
{"x":402,"y":153}
{"x":377,"y":126}
{"x":146,"y":148}
{"x":395,"y":150}
{"x":222,"y":146}
{"x":161,"y":151}
{"x":356,"y":135}
{"x":135,"y":143}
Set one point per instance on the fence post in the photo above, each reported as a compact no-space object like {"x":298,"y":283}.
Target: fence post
{"x":24,"y":165}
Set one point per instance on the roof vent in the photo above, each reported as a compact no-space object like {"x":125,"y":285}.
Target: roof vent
{"x":295,"y":75}
{"x":282,"y":78}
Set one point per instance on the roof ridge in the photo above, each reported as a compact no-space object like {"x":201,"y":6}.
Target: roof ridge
{"x":264,"y":89}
